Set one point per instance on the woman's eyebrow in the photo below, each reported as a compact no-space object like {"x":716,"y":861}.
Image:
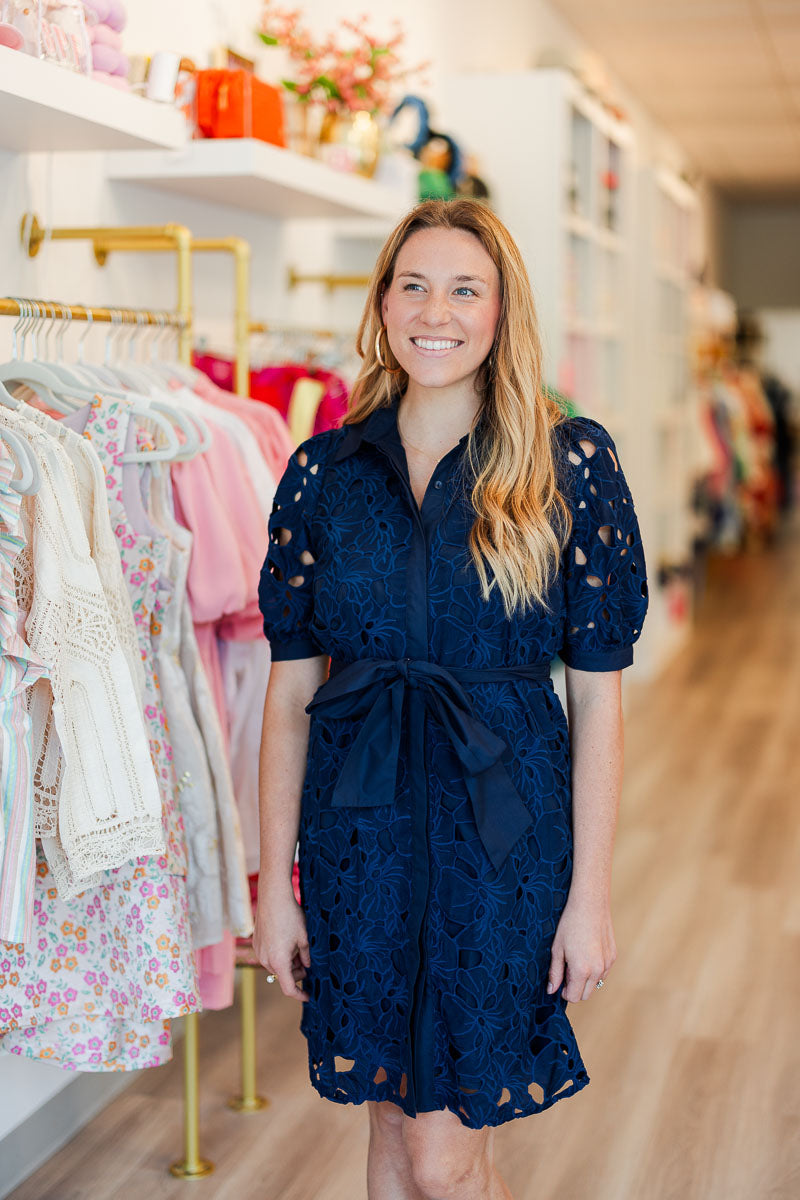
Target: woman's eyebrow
{"x":457,"y":278}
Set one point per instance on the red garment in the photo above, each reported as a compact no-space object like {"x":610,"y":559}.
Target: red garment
{"x":274,"y":385}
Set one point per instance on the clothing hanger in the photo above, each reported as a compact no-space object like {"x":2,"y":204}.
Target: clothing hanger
{"x":196,"y":439}
{"x":40,"y":378}
{"x":50,"y":388}
{"x":30,"y":479}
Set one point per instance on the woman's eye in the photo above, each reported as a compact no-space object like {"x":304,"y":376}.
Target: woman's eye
{"x":408,"y":286}
{"x":471,"y":291}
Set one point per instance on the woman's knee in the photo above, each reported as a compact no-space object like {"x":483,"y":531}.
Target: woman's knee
{"x":385,"y":1118}
{"x":446,"y":1162}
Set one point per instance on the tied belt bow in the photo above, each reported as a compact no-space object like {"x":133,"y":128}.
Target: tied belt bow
{"x":375,"y":688}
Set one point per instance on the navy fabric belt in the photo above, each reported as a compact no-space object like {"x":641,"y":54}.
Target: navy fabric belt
{"x":375,"y":688}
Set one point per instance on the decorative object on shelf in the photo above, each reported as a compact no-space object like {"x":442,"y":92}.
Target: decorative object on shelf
{"x":234,"y":104}
{"x":162,"y":77}
{"x":105,"y":21}
{"x":471,"y":185}
{"x":350,"y":81}
{"x":51,"y":29}
{"x":350,"y":142}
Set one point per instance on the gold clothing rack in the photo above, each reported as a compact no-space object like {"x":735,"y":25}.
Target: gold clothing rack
{"x":13,"y":306}
{"x":330,"y":280}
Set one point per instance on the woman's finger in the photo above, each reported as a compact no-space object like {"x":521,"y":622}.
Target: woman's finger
{"x":556,"y":972}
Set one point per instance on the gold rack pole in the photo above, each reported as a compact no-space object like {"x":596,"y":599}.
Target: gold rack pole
{"x":238,"y":248}
{"x":331,"y":281}
{"x":265,"y":327}
{"x":249,"y":1101}
{"x":12,"y":307}
{"x":191,"y":1166}
{"x":136,"y":237}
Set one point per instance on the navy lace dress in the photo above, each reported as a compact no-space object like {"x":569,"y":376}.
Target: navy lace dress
{"x":435,"y":834}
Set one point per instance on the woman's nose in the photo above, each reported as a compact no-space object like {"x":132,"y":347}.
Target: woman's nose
{"x":436,"y":310}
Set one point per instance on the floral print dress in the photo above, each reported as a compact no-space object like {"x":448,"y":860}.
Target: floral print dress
{"x":435,"y":831}
{"x":95,"y":988}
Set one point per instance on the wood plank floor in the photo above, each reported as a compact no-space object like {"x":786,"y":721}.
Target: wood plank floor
{"x":693,"y":1046}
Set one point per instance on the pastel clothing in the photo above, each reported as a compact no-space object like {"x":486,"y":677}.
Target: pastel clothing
{"x":216,"y":878}
{"x":95,"y":795}
{"x":19,"y":669}
{"x":269,"y":428}
{"x":103,"y":975}
{"x":435,"y":832}
{"x":111,"y":429}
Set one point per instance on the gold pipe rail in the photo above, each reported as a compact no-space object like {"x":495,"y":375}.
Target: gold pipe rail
{"x":265,"y":327}
{"x":235,"y":246}
{"x":11,"y":306}
{"x":132,"y":237}
{"x":331,"y":281}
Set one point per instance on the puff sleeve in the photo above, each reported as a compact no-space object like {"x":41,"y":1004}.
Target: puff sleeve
{"x":286,"y":586}
{"x":603,"y":564}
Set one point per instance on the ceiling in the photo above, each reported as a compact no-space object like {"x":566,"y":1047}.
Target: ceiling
{"x":723,"y":76}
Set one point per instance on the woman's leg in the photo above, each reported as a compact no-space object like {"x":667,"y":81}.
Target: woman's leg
{"x":450,"y":1161}
{"x":388,"y":1166}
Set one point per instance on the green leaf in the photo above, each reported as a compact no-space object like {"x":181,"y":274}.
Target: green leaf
{"x":289,"y":84}
{"x":268,"y":40}
{"x":328,"y":86}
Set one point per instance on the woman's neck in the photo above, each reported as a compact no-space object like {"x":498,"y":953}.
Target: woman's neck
{"x":435,"y":419}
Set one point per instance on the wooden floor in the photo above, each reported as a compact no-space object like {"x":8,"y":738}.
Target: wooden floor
{"x":693,"y":1046}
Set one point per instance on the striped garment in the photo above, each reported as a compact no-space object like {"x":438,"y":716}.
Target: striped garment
{"x":19,"y":669}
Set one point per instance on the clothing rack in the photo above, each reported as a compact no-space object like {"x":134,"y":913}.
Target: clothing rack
{"x":13,"y":306}
{"x":177,"y":239}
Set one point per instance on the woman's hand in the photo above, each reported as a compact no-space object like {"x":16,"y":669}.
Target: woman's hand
{"x":583,"y":950}
{"x":281,"y":943}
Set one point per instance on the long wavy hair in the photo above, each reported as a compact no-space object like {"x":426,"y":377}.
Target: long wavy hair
{"x":521,"y":521}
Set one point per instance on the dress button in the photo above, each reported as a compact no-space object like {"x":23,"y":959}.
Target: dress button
{"x":438,"y":484}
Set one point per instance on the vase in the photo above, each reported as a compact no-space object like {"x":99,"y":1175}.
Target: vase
{"x":350,"y":142}
{"x":303,"y":123}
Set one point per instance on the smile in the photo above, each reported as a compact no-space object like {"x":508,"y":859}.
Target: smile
{"x":435,"y":343}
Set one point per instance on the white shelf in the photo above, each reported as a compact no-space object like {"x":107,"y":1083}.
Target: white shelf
{"x":46,"y":107}
{"x":248,"y":174}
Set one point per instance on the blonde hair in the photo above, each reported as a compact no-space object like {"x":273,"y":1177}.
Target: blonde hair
{"x":521,"y":520}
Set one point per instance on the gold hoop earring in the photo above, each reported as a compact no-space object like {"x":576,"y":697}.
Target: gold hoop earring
{"x":378,"y":355}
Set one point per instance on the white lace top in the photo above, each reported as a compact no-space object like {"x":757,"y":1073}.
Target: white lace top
{"x":94,"y":783}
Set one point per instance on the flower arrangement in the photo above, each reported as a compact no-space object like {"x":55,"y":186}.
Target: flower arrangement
{"x":347,"y":72}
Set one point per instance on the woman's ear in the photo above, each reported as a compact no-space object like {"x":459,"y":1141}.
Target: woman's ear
{"x":383,"y":307}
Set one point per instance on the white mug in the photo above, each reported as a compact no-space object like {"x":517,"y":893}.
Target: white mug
{"x":162,"y":76}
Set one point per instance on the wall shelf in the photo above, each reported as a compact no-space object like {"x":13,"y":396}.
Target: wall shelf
{"x":46,"y":107}
{"x":248,"y":174}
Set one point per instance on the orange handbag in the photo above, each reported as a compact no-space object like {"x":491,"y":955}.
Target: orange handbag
{"x":234,"y":104}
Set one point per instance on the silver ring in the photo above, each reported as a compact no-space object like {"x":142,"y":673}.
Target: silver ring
{"x":599,"y":983}
{"x":271,"y":978}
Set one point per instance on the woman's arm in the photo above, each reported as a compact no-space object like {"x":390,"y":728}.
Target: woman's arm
{"x":279,"y":939}
{"x":584,"y":948}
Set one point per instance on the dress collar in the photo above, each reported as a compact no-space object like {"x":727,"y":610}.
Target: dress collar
{"x":380,"y":428}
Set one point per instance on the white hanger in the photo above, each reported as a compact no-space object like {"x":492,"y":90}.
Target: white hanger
{"x":30,"y":479}
{"x":51,"y":389}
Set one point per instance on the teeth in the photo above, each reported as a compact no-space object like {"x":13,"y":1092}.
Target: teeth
{"x":429,"y":344}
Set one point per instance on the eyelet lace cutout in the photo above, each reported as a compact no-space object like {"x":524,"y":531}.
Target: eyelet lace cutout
{"x":604,"y":567}
{"x":290,"y":560}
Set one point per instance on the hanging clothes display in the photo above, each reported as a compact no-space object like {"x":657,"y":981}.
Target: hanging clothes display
{"x":116,"y":732}
{"x":19,"y":670}
{"x":310,"y":397}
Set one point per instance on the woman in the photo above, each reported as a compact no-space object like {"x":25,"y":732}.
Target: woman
{"x":455,"y":836}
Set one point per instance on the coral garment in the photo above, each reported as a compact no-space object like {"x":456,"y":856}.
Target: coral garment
{"x":435,"y":834}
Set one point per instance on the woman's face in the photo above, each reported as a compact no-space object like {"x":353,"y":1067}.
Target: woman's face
{"x":442,"y":307}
